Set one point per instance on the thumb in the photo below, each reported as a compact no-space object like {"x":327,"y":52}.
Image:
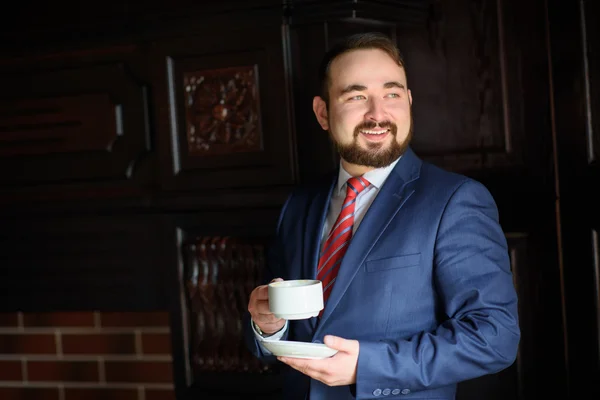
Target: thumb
{"x":341,"y":344}
{"x":276,"y":280}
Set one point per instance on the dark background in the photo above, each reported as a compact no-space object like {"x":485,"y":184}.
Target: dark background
{"x":121,"y":171}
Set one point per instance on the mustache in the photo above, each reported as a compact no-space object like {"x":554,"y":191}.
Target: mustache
{"x":372,"y":124}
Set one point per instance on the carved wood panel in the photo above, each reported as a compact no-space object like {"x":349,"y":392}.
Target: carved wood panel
{"x":66,"y":122}
{"x":221,"y":256}
{"x":222,"y":111}
{"x":231,"y":126}
{"x":220,"y":273}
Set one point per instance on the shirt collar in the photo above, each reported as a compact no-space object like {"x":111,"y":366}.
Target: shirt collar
{"x":376,"y":177}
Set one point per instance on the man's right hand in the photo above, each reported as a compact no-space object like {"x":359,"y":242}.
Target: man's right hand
{"x":258,"y":306}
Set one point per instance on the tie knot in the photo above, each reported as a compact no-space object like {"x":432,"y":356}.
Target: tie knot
{"x":356,"y":185}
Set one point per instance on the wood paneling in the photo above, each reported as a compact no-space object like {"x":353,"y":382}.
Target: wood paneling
{"x":590,"y":31}
{"x":462,"y":70}
{"x":82,"y":262}
{"x":220,"y":273}
{"x":573,"y":47}
{"x":269,"y":157}
{"x":405,"y":12}
{"x":111,"y":162}
{"x":222,"y":111}
{"x":69,"y":122}
{"x":188,"y":309}
{"x":59,"y":125}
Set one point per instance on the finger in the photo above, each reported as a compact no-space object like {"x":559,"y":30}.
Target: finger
{"x":262,"y":292}
{"x":262,"y":307}
{"x":268,"y":325}
{"x":341,"y":344}
{"x":262,"y":319}
{"x":261,"y":314}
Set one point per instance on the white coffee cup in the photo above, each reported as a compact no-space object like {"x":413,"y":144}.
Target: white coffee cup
{"x":296,"y":299}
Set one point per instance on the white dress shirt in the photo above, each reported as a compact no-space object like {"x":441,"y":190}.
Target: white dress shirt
{"x":377,"y":178}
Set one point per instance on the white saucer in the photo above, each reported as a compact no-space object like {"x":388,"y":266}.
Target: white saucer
{"x":288,"y":348}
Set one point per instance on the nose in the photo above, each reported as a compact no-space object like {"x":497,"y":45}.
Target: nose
{"x":375,"y":112}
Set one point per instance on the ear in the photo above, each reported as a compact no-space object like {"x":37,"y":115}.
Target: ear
{"x":409,"y":97}
{"x":320,"y":109}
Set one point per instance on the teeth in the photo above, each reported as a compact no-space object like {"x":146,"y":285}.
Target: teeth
{"x":375,"y":132}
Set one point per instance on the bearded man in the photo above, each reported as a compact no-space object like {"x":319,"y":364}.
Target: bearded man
{"x":414,"y":264}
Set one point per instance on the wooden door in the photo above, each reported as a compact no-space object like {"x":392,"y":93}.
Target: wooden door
{"x":479,"y":75}
{"x":574,"y":48}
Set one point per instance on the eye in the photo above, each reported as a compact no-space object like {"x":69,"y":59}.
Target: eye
{"x":393,"y":95}
{"x":357,"y":97}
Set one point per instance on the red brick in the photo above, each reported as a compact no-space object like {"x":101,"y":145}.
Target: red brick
{"x":59,"y":319}
{"x":10,"y":371}
{"x":68,"y":371}
{"x":28,"y":393}
{"x":100,"y":394}
{"x":120,"y":343}
{"x":9,"y":319}
{"x":156,"y":343}
{"x":138,"y":371}
{"x":133,"y":319}
{"x":27,"y":344}
{"x":157,"y":394}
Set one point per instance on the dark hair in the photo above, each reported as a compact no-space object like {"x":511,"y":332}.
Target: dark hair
{"x":360,"y":41}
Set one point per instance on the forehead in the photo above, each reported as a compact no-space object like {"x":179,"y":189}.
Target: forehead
{"x":367,"y":67}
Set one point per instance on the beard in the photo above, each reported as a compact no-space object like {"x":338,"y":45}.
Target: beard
{"x":376,"y":155}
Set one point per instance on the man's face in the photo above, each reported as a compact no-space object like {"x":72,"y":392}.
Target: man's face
{"x":369,"y":116}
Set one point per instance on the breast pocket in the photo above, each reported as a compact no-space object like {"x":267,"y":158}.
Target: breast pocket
{"x":385,"y":264}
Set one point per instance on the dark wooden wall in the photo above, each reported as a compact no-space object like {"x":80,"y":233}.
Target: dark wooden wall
{"x":145,"y":152}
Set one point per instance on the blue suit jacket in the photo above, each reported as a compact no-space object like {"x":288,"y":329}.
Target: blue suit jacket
{"x":425,"y":286}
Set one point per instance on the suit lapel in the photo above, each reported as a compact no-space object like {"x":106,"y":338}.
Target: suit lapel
{"x":386,"y":205}
{"x":316,"y":216}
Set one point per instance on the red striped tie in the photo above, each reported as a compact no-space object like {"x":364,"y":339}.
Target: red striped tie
{"x":339,"y":238}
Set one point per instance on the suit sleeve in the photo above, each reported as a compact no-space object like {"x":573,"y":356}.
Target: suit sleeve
{"x":480,"y":334}
{"x":272,"y":270}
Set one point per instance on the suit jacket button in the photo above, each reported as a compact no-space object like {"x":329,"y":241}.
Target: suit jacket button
{"x":396,"y":391}
{"x":405,"y":391}
{"x":386,"y":392}
{"x":377,"y":392}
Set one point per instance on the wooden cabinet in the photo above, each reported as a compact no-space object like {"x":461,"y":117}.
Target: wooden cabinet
{"x":131,"y":137}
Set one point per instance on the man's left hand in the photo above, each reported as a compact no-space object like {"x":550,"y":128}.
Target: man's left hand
{"x":334,"y":371}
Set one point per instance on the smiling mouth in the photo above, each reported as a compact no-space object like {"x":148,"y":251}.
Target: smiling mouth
{"x":374,"y":132}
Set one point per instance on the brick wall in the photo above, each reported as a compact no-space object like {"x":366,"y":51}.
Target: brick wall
{"x":85,"y":355}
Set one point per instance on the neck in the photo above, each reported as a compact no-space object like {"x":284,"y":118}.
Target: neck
{"x":354,"y":169}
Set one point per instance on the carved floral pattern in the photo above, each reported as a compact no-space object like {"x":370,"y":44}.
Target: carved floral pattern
{"x":220,"y":274}
{"x":222,"y":111}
